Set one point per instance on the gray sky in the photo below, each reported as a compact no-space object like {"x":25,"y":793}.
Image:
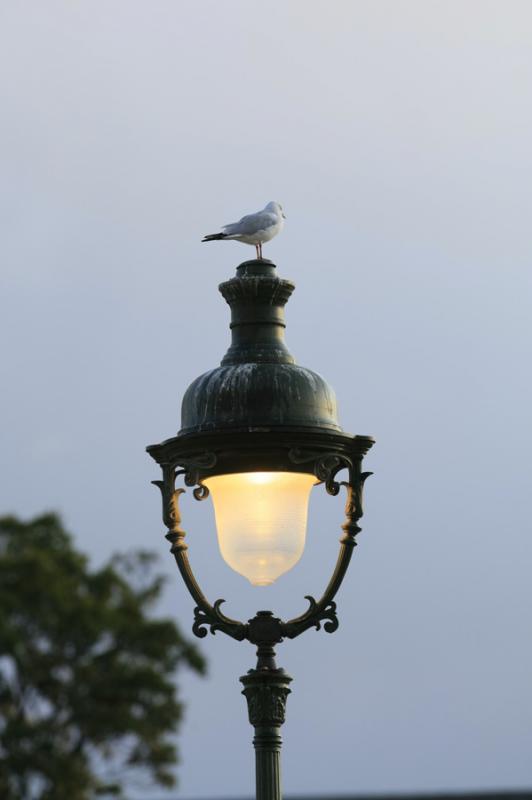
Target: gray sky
{"x":398,"y":136}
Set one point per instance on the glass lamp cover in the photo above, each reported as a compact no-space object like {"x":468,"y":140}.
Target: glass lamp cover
{"x":261,"y":519}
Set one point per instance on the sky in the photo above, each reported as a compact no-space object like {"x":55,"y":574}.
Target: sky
{"x":397,"y":135}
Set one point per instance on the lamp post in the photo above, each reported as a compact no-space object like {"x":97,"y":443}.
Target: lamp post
{"x":257,"y":433}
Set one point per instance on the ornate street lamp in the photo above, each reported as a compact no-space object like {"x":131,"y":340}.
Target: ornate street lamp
{"x":257,"y":433}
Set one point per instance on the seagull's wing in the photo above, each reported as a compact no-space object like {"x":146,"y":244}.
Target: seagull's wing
{"x":251,"y":223}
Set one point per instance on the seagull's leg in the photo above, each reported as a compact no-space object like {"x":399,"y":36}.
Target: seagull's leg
{"x":257,"y":251}
{"x":260,"y":250}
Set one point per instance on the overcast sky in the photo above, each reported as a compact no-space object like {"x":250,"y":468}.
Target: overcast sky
{"x":398,"y":137}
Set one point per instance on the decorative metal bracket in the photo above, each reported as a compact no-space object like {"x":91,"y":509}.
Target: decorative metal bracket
{"x":326,"y":468}
{"x":205,"y":614}
{"x":264,"y":630}
{"x":192,"y":467}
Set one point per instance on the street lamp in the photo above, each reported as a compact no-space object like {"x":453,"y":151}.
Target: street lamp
{"x":257,"y":433}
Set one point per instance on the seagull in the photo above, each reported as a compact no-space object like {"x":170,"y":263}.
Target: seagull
{"x":253,"y":228}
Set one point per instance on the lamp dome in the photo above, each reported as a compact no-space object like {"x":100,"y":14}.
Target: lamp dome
{"x":258,"y":385}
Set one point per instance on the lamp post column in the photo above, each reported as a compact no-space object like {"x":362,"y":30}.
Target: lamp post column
{"x":266,"y":691}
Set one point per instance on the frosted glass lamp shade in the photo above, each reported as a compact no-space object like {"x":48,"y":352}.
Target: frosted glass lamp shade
{"x":261,"y":520}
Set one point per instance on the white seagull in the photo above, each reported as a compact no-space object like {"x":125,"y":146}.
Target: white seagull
{"x":253,"y":228}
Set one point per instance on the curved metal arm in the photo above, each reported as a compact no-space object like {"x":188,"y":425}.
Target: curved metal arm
{"x":205,"y":614}
{"x":325,"y":607}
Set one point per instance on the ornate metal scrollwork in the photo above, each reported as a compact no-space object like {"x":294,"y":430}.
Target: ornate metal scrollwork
{"x":316,"y":613}
{"x":326,"y":466}
{"x":213,"y":619}
{"x":192,"y":467}
{"x":201,"y":492}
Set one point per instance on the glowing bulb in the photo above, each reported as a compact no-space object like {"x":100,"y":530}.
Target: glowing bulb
{"x":261,"y":520}
{"x":260,"y":477}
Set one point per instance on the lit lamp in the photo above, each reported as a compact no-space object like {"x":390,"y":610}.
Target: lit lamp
{"x":261,"y":519}
{"x":257,"y":433}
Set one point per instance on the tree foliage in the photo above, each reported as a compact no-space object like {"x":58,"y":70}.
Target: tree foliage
{"x":87,"y":694}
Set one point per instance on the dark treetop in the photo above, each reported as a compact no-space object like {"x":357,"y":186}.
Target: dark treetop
{"x":87,"y":693}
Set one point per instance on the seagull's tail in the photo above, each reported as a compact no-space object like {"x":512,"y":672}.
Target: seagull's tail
{"x":213,"y":237}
